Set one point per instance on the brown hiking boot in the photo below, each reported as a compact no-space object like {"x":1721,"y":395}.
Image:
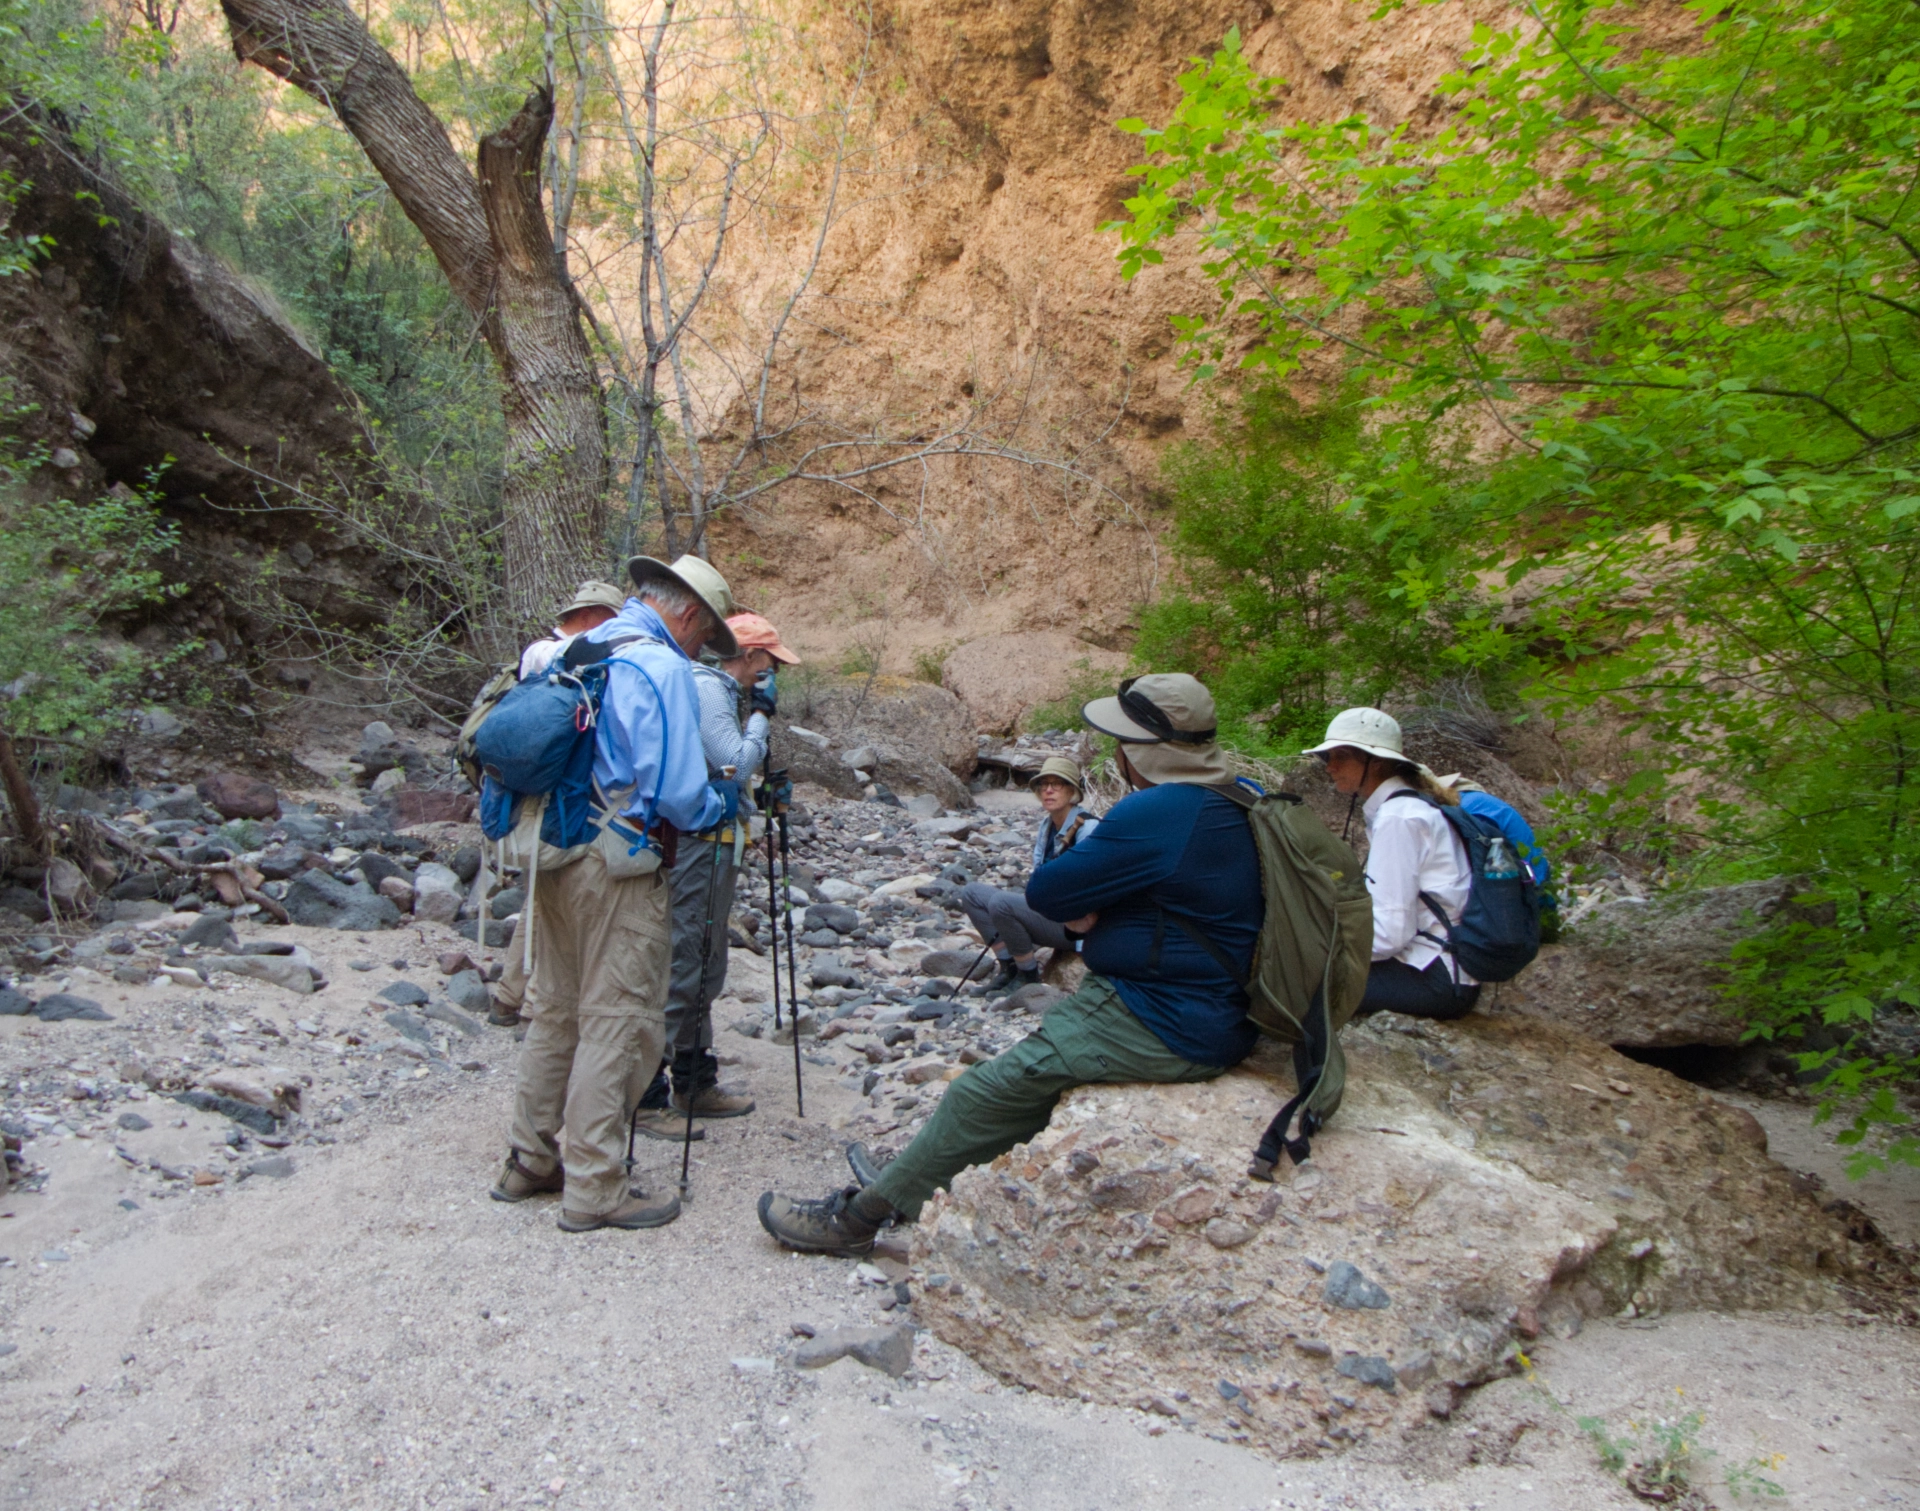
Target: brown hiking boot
{"x":517,"y":1182}
{"x":845,"y":1223}
{"x":638,"y":1211}
{"x":712,"y":1102}
{"x":665,"y":1124}
{"x":502,"y":1014}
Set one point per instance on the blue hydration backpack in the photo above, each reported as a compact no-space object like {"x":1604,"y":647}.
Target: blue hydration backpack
{"x":538,"y":742}
{"x":1499,"y":929}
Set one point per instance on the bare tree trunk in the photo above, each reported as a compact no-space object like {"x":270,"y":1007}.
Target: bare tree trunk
{"x":491,"y":239}
{"x":21,"y":797}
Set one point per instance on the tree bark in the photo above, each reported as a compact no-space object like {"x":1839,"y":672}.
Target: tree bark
{"x":489,"y":235}
{"x":21,"y":797}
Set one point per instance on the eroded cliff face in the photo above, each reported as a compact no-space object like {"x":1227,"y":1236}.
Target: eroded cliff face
{"x":136,"y":359}
{"x":988,"y":286}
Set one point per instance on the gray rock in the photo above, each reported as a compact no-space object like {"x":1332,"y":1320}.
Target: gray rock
{"x":956,"y":827}
{"x":378,"y":868}
{"x":498,"y":933}
{"x":14,"y":1004}
{"x":274,"y":1166}
{"x":402,"y":994}
{"x":508,"y":901}
{"x":259,"y":1119}
{"x":469,"y":991}
{"x":282,"y":862}
{"x":133,"y":1122}
{"x":442,"y":1012}
{"x":820,"y":939}
{"x":318,"y":900}
{"x":835,"y":890}
{"x":861,"y":758}
{"x":833,"y":975}
{"x":211,"y":931}
{"x":437,"y":893}
{"x":294,"y":970}
{"x":954,"y":964}
{"x":1347,"y":1287}
{"x":1368,"y":1369}
{"x":135,"y":888}
{"x":62,"y":1006}
{"x":888,"y":1349}
{"x":832,"y":915}
{"x":1036,"y":998}
{"x":466,"y":864}
{"x":158,"y":724}
{"x":408,"y":1026}
{"x":922,"y":805}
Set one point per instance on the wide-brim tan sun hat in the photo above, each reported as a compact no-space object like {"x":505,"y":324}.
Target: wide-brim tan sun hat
{"x":1366,"y":730}
{"x":595,"y":595}
{"x":1167,"y":723}
{"x":699,"y":578}
{"x":1064,"y":769}
{"x":1159,"y":707}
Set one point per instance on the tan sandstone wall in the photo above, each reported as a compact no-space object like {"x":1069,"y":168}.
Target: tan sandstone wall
{"x":986,"y":284}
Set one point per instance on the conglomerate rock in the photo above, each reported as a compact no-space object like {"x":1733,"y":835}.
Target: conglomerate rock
{"x":1484,"y":1180}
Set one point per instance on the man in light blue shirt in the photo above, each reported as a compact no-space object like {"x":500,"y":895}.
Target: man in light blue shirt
{"x":601,"y":932}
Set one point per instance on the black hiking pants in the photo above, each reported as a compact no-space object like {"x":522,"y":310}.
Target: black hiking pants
{"x":1393,"y":986}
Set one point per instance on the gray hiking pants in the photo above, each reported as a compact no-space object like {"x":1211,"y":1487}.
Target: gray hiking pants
{"x":690,"y":987}
{"x":1004,"y":916}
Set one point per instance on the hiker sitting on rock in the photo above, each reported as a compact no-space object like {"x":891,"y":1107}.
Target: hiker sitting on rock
{"x":600,"y":941}
{"x":1155,"y":1005}
{"x":594,"y":603}
{"x":1016,"y":932}
{"x":703,"y":882}
{"x":1413,"y":854}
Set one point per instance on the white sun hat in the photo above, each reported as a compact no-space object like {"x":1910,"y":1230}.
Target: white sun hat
{"x":1366,"y":730}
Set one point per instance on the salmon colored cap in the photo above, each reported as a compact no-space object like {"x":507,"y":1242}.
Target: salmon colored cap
{"x":756,"y":634}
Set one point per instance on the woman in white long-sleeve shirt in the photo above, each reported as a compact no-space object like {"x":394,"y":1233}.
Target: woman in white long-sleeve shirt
{"x":1412,"y":854}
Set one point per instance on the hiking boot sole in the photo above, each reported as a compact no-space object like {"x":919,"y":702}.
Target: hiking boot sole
{"x":646,"y":1217}
{"x":701,"y":1112}
{"x":671,"y":1129}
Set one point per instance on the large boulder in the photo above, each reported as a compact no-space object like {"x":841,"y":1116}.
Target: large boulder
{"x":233,"y":794}
{"x":1648,"y":973}
{"x":1485,"y":1180}
{"x":1001,"y":678}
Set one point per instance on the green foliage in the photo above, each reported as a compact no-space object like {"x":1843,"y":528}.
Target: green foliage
{"x":1663,"y":1462}
{"x":66,"y":567}
{"x":929,"y":663}
{"x":1289,"y":603}
{"x":1676,"y":286}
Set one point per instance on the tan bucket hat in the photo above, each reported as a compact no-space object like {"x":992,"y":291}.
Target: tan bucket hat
{"x":1065,"y":769}
{"x":595,"y":595}
{"x":1366,"y":730}
{"x":1167,"y":722}
{"x":699,"y":578}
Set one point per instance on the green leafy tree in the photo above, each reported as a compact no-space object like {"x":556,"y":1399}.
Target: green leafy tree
{"x":1287,"y":603}
{"x":1674,"y":285}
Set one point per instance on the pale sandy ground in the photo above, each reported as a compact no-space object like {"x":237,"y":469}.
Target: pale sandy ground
{"x":375,"y":1332}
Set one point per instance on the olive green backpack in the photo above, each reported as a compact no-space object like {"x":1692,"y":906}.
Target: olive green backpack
{"x":1310,"y":961}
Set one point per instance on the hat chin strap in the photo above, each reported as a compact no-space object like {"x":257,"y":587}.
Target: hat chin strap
{"x":1149,"y":716}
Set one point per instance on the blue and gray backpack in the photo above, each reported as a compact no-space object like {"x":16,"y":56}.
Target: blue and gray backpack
{"x":1499,"y":929}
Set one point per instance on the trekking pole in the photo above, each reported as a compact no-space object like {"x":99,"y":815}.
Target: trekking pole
{"x":706,"y":959}
{"x":793,"y":980}
{"x":768,"y":799}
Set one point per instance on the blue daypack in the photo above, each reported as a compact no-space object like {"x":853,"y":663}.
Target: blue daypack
{"x":538,"y":742}
{"x":1499,"y":929}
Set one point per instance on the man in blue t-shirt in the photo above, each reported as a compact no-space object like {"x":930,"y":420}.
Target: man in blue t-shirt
{"x":1155,"y":1005}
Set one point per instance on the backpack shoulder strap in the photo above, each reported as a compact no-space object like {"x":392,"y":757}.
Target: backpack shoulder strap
{"x":583,"y":652}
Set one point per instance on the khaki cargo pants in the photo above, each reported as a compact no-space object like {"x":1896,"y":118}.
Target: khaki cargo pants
{"x":598,"y":1025}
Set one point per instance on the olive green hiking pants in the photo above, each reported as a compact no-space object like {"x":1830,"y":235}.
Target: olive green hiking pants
{"x":1092,"y":1036}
